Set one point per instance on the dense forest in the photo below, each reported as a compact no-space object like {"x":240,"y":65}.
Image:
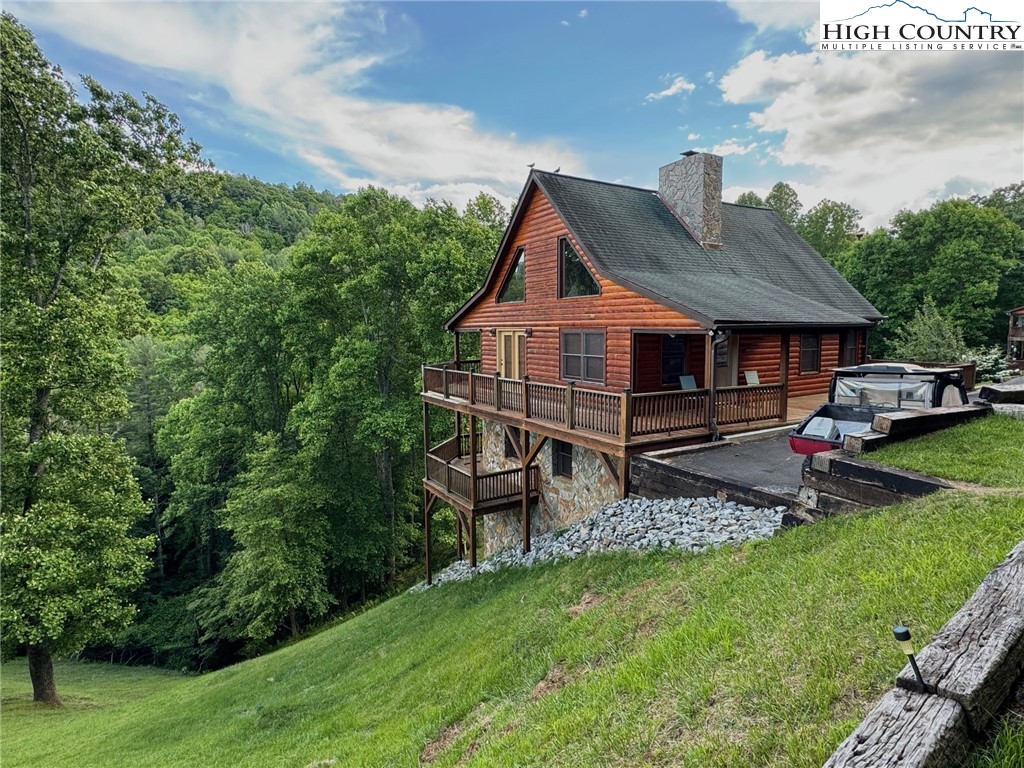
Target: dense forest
{"x":211,"y":424}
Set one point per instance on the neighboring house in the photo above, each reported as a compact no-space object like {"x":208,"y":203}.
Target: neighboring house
{"x":615,"y":321}
{"x":1015,"y":339}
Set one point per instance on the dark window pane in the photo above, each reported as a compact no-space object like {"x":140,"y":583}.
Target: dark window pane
{"x":593,"y":344}
{"x":571,"y":364}
{"x":809,"y":346}
{"x":593,"y":368}
{"x":515,"y":286}
{"x":572,"y":343}
{"x":673,"y":359}
{"x":576,"y":278}
{"x":561,"y":458}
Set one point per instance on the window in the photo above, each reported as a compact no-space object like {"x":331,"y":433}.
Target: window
{"x":810,"y":352}
{"x":583,"y":355}
{"x":561,"y":458}
{"x":850,"y":348}
{"x":574,"y":279}
{"x":514,"y":288}
{"x":1018,"y":321}
{"x":510,"y":449}
{"x":673,"y":359}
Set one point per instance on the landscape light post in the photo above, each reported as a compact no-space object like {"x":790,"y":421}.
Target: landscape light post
{"x":902,"y":635}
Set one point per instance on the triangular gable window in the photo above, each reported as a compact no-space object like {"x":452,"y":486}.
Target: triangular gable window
{"x":574,"y":277}
{"x":515,"y":284}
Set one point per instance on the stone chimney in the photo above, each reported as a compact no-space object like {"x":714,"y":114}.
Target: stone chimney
{"x":692,"y":188}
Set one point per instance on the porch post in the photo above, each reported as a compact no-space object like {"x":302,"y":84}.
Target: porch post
{"x":709,"y":376}
{"x":472,"y":461}
{"x":460,"y":551}
{"x":623,"y":477}
{"x":426,"y":437}
{"x":784,"y":377}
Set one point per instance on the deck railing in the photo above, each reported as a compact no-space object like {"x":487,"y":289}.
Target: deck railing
{"x":734,"y":405}
{"x":621,"y":416}
{"x":658,"y":412}
{"x":490,"y":486}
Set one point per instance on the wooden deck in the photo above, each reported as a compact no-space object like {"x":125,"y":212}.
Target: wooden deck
{"x":449,"y":475}
{"x":618,"y":423}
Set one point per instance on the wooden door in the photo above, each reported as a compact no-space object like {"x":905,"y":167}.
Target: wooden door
{"x":726,"y":362}
{"x":512,"y":354}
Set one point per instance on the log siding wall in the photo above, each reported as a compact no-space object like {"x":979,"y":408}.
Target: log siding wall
{"x":617,"y":309}
{"x":620,"y":312}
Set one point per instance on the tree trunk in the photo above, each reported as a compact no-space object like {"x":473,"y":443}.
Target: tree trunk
{"x":386,"y":480}
{"x":40,"y":669}
{"x":294,"y":623}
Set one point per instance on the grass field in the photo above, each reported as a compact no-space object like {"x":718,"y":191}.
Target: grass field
{"x":764,"y":656}
{"x":987,"y":451}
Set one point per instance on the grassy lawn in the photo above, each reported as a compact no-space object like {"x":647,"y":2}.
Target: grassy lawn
{"x":987,"y":451}
{"x":767,"y":655}
{"x":1007,"y":747}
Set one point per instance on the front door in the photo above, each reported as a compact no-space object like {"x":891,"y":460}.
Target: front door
{"x":727,"y":358}
{"x":512,"y":354}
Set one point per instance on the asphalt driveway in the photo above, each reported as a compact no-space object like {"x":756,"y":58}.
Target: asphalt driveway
{"x":765,"y":463}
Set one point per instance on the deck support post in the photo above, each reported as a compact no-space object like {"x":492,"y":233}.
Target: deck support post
{"x":497,"y":391}
{"x":426,"y":437}
{"x":472,"y":538}
{"x":460,"y":549}
{"x":784,"y":377}
{"x":526,"y":487}
{"x":428,"y":504}
{"x":444,"y":380}
{"x":526,"y":399}
{"x":472,"y":461}
{"x":623,"y":478}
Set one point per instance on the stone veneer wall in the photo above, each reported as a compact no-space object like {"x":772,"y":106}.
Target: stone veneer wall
{"x":693,"y":187}
{"x":565,"y":500}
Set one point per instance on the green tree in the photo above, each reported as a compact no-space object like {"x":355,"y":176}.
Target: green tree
{"x":930,"y":336}
{"x":1008,"y":200}
{"x":750,"y":198}
{"x":278,"y":572}
{"x":829,"y":228}
{"x":75,"y":175}
{"x":784,"y":200}
{"x":970,"y":260}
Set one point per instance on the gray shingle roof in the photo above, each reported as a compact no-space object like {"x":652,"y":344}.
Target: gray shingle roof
{"x":764,"y":273}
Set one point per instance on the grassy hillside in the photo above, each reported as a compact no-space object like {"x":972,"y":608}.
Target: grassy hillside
{"x":764,"y":656}
{"x":988,"y":451}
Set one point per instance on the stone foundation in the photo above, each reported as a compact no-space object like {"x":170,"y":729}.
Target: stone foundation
{"x":563,"y":501}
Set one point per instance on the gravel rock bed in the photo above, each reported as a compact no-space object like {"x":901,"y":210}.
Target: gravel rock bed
{"x":693,"y":525}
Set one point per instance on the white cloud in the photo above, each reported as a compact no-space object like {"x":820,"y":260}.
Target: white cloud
{"x":771,"y":14}
{"x":295,"y":75}
{"x":732,"y":147}
{"x":583,"y":13}
{"x":886,"y":132}
{"x":678,"y":84}
{"x":692,"y":136}
{"x":564,"y":23}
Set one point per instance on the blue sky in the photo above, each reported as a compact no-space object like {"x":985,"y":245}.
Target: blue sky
{"x":442,"y":100}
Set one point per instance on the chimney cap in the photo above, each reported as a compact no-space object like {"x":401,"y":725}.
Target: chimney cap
{"x":689,"y":153}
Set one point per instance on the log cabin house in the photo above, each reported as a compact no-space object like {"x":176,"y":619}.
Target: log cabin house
{"x":1015,"y":339}
{"x":617,"y":320}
